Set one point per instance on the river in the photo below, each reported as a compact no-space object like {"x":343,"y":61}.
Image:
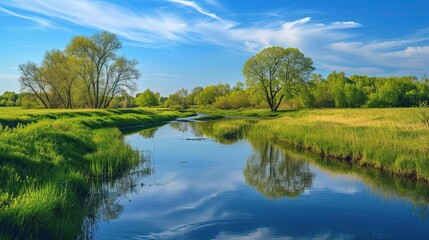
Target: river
{"x":194,"y":186}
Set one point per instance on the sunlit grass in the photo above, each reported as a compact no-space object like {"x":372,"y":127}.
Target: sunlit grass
{"x":94,"y":118}
{"x":48,"y":164}
{"x":392,"y":140}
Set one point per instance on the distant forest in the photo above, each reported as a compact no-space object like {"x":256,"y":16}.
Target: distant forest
{"x":337,"y":90}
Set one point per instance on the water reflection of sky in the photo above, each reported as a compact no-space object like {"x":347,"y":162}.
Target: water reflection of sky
{"x":198,"y":191}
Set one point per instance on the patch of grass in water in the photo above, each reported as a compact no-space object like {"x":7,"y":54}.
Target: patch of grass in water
{"x":209,"y":117}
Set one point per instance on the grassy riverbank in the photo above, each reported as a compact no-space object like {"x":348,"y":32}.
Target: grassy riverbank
{"x":93,"y":118}
{"x":47,"y":165}
{"x":391,"y":140}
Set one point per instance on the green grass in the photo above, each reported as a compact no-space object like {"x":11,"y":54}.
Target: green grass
{"x":94,"y":118}
{"x":47,"y":165}
{"x":392,"y":140}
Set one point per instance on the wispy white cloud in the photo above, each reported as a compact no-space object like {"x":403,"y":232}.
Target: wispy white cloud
{"x":400,"y":56}
{"x":154,"y":28}
{"x":195,"y":6}
{"x":330,"y":44}
{"x":43,"y":22}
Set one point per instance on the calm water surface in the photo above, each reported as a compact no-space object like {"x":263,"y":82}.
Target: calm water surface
{"x":199,"y":188}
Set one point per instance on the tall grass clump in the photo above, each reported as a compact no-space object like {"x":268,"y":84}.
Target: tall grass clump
{"x":112,"y":157}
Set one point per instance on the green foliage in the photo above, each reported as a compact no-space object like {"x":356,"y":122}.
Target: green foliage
{"x":363,"y":91}
{"x":88,"y":73}
{"x":234,"y":100}
{"x":180,"y":99}
{"x":276,"y":73}
{"x":9,"y":99}
{"x":123,"y":101}
{"x":147,"y":99}
{"x":208,"y":95}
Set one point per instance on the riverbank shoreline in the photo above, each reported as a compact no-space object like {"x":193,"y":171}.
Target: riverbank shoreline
{"x":391,"y":140}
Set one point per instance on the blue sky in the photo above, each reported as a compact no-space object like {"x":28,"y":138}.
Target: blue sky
{"x":184,"y":43}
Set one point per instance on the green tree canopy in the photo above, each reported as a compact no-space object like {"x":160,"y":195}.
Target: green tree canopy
{"x":276,"y":72}
{"x":147,"y":99}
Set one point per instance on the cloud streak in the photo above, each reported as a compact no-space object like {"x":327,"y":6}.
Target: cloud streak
{"x":331,"y":44}
{"x":195,"y":6}
{"x":154,"y":28}
{"x":41,"y":21}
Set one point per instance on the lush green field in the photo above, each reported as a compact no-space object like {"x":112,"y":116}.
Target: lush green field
{"x":47,"y":166}
{"x":393,"y":140}
{"x":94,"y":118}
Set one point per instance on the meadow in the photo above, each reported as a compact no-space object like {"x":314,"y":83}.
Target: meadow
{"x":392,"y":140}
{"x":50,"y":158}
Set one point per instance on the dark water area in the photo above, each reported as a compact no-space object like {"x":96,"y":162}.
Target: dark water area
{"x":194,"y":186}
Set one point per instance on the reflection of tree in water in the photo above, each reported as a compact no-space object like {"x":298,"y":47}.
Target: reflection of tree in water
{"x":222,"y":131}
{"x":148,"y":133}
{"x":179,"y":126}
{"x":274,"y":174}
{"x":103,"y":202}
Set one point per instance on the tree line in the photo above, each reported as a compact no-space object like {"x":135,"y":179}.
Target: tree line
{"x":335,"y":91}
{"x":89,"y":73}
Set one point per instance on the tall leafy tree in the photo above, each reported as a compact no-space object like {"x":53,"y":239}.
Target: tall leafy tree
{"x":276,"y":72}
{"x":88,"y":69}
{"x":105,"y":75}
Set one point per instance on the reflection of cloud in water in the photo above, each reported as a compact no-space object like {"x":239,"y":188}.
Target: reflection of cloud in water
{"x":338,"y":184}
{"x":177,"y":183}
{"x":263,"y":233}
{"x":182,"y":230}
{"x":193,"y":205}
{"x":179,"y":187}
{"x":260,"y":233}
